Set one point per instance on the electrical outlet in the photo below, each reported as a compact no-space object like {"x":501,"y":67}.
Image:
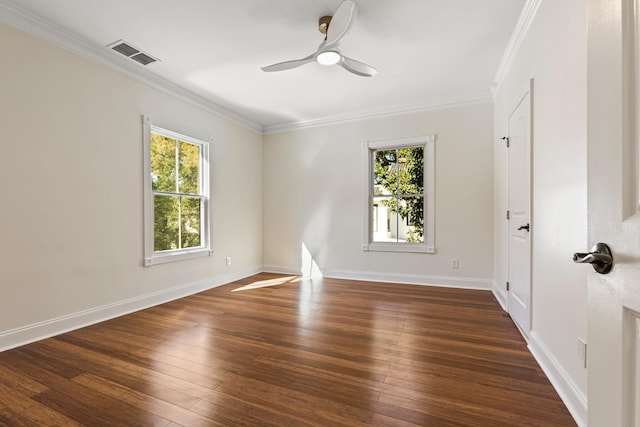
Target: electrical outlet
{"x":455,"y":263}
{"x":582,"y":351}
{"x":228,"y":260}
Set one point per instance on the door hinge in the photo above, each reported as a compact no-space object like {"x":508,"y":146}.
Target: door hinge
{"x":507,"y":286}
{"x":506,"y":139}
{"x":508,"y":214}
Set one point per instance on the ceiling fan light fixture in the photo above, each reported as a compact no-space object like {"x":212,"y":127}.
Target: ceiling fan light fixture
{"x":328,"y":57}
{"x":335,"y":28}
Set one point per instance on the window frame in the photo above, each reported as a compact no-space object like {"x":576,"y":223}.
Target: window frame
{"x":369,"y":147}
{"x":151,"y":257}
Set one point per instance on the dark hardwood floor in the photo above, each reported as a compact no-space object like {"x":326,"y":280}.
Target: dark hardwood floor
{"x":274,"y":351}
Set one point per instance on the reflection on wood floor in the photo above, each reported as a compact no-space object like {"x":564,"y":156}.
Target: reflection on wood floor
{"x":276,"y":350}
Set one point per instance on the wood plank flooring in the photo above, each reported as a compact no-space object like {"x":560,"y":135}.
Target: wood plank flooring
{"x":284,"y":351}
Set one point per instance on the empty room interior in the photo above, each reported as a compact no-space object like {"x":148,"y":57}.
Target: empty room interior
{"x":294,"y":213}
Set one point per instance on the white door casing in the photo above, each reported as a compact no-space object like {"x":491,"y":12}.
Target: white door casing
{"x":519,"y":205}
{"x":613,"y":361}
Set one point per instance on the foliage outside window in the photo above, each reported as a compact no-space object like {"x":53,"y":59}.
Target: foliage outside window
{"x":398,"y":185}
{"x":400,"y":195}
{"x":177,"y":204}
{"x":176,"y":196}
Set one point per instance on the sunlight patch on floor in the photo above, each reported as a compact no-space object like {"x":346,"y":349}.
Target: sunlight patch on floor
{"x":267,"y":283}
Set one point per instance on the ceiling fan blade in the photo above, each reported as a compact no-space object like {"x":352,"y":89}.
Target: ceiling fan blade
{"x":341,"y":23}
{"x":287,"y":65}
{"x":357,"y":67}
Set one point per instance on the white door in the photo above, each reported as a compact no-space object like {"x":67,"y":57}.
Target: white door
{"x":519,"y":196}
{"x":613,"y":360}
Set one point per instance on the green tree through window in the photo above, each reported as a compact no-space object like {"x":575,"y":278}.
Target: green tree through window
{"x":175,"y":181}
{"x":399,"y":186}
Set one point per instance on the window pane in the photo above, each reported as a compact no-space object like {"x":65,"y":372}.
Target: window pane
{"x":163,"y":163}
{"x":166,"y":223}
{"x":398,"y":219}
{"x":189,"y":170}
{"x":190,"y":222}
{"x":411,"y":226}
{"x":386,"y":228}
{"x":398,"y":189}
{"x":385,"y":172}
{"x":411,"y":170}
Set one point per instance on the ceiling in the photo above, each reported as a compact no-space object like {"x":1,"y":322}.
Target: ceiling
{"x":427,"y":52}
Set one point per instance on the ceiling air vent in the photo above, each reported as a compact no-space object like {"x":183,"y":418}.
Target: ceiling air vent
{"x":132,"y":52}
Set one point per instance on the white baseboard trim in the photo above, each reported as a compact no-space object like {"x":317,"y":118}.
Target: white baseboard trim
{"x":500,"y":295}
{"x":59,"y":325}
{"x":409,"y":279}
{"x":573,"y":398}
{"x":277,"y":269}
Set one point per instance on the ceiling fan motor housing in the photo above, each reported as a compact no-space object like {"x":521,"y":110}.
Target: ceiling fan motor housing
{"x":323,"y":24}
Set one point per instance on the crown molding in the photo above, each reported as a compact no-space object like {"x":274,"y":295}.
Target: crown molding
{"x":476,"y":98}
{"x":18,"y":17}
{"x":521,"y":30}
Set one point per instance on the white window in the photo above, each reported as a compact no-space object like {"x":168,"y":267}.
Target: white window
{"x":399,"y":177}
{"x":176,"y":191}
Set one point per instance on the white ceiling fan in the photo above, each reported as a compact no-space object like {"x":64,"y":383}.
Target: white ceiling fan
{"x":336,"y":28}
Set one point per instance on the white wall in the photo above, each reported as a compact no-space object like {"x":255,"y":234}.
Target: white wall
{"x":71,"y":192}
{"x":314,"y":189}
{"x":554,"y":55}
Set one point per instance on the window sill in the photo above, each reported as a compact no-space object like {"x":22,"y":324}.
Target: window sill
{"x":399,"y":247}
{"x":162,"y":258}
